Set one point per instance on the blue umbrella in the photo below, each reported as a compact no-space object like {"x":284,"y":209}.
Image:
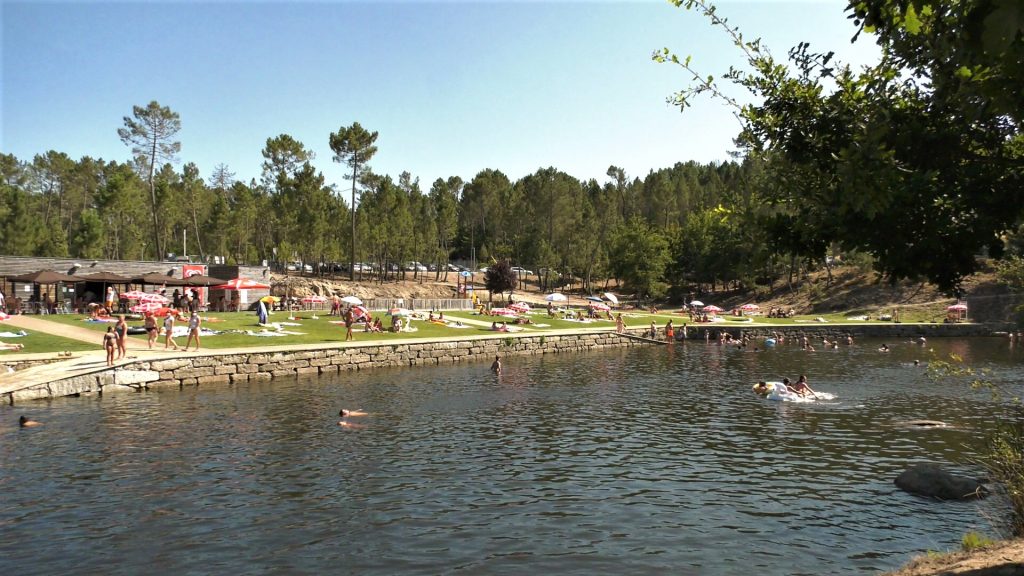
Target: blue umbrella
{"x":594,"y":299}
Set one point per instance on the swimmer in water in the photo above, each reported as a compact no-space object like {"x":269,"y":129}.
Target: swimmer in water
{"x":26,"y":423}
{"x":883,"y":348}
{"x":346,"y":413}
{"x":496,"y":366}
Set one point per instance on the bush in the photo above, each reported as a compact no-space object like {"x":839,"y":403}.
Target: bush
{"x":974,"y":541}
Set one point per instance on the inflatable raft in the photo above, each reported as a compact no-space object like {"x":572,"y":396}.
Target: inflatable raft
{"x":779,"y":392}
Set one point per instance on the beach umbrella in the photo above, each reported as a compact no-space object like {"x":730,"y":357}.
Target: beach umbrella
{"x":957,"y":307}
{"x":156,"y":279}
{"x":133,"y":295}
{"x":241,"y":284}
{"x":314,"y":299}
{"x":556,"y":297}
{"x":696,"y":303}
{"x":270,"y":299}
{"x":144,"y":307}
{"x":611,"y":297}
{"x":713,"y":309}
{"x":594,"y":299}
{"x":43,"y":277}
{"x":503,"y":312}
{"x":399,"y":312}
{"x":600,"y":306}
{"x":352,"y":300}
{"x":157,"y":298}
{"x":360,"y":312}
{"x":521,"y":307}
{"x":750,"y":307}
{"x":4,"y":315}
{"x":105,"y":277}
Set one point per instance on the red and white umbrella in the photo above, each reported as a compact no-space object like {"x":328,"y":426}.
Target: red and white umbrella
{"x":957,"y":307}
{"x":600,"y":306}
{"x":750,"y":307}
{"x":4,"y":315}
{"x":399,"y":312}
{"x":503,"y":312}
{"x":152,"y":298}
{"x":241,"y":284}
{"x":520,"y":307}
{"x":713,"y":309}
{"x":133,"y":295}
{"x":314,"y":299}
{"x":144,"y":307}
{"x":360,"y":312}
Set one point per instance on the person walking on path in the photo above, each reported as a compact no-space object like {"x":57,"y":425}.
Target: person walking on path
{"x":194,"y":322}
{"x":169,"y":330}
{"x":110,"y":344}
{"x":121,"y":329}
{"x":151,"y":329}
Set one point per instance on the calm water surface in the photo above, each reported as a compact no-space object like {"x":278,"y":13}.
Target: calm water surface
{"x":644,"y":461}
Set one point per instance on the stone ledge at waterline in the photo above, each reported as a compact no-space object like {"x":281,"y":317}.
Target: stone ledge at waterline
{"x":235,"y":366}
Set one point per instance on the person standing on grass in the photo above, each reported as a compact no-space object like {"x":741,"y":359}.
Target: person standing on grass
{"x":194,"y":322}
{"x":121,"y":329}
{"x":349,"y":320}
{"x":110,"y":344}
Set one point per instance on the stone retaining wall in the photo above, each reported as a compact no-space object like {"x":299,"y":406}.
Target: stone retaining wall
{"x":226,"y":369}
{"x":880,"y":330}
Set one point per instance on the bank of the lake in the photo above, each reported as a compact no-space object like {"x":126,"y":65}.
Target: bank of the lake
{"x":223,"y":367}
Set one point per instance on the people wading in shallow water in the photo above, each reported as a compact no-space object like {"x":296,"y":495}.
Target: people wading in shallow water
{"x":496,"y":365}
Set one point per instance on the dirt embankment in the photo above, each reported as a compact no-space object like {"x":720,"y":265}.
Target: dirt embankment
{"x":1002,"y":559}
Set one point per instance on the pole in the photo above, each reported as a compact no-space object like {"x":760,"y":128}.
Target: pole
{"x":184,"y":242}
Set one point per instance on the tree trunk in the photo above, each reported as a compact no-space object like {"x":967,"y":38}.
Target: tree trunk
{"x":152,"y":198}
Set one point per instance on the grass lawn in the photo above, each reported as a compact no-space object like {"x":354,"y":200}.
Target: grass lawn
{"x":41,"y":343}
{"x":314,"y":331}
{"x":321,"y":330}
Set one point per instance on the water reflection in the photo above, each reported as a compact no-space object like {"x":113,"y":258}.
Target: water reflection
{"x":639,"y":461}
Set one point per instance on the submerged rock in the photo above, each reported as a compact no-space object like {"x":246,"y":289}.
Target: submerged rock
{"x":934,"y":481}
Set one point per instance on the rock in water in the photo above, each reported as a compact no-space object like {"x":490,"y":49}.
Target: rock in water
{"x":933,"y":481}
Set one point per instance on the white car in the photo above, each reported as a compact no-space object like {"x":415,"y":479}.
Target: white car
{"x":521,"y":271}
{"x":415,"y":267}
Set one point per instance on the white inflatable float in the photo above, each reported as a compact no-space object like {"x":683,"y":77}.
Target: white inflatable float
{"x":778,"y":392}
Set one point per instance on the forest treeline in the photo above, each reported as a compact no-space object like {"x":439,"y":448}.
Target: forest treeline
{"x":688,"y":224}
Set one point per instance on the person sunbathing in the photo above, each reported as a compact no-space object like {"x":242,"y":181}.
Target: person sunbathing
{"x":6,"y":346}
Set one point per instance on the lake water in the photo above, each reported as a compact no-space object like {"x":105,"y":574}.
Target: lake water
{"x":642,"y":461}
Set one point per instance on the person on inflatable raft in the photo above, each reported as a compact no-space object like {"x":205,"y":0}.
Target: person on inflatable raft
{"x":800,"y":388}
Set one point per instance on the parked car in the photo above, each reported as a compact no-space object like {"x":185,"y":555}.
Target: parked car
{"x":415,"y":267}
{"x":521,"y":271}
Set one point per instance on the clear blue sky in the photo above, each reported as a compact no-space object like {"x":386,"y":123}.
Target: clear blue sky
{"x":452,"y":87}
